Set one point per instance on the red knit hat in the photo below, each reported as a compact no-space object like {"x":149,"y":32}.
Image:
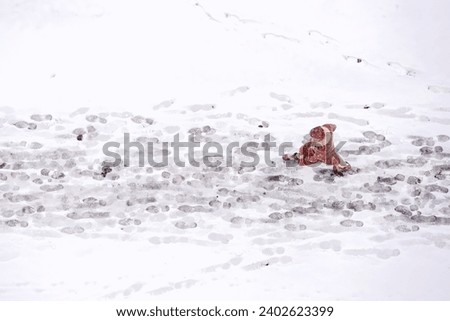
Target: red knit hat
{"x":317,"y":133}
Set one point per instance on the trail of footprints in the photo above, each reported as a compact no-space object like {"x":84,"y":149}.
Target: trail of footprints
{"x":37,"y":181}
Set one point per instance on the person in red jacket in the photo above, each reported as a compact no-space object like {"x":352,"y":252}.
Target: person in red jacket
{"x":320,"y":149}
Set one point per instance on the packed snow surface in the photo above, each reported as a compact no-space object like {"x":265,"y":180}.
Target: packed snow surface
{"x":76,"y":75}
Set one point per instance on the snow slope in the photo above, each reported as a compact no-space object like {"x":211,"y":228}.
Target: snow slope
{"x":229,"y":72}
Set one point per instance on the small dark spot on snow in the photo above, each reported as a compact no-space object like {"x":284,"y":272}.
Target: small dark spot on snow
{"x":106,"y":170}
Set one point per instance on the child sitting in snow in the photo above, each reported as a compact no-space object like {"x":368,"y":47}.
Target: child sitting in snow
{"x":320,"y":149}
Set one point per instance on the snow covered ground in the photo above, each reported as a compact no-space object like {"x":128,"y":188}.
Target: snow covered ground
{"x":229,"y":72}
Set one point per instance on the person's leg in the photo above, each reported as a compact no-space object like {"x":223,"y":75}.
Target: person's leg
{"x":307,"y":155}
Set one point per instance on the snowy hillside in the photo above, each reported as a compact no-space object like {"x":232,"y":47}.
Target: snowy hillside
{"x":75,"y":75}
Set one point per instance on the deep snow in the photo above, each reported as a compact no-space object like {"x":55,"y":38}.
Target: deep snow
{"x":221,"y":69}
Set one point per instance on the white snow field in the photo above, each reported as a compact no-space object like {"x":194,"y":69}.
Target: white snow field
{"x":227,"y":71}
